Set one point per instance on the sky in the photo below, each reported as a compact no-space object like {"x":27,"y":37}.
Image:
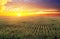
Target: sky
{"x":30,"y":4}
{"x":45,"y":3}
{"x":38,"y":3}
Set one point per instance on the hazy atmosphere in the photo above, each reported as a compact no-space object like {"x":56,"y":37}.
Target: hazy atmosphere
{"x":29,"y":19}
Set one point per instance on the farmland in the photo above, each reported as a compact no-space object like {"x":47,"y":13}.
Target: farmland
{"x":34,"y":27}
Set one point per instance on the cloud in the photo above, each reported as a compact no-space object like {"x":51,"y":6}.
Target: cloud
{"x":36,"y":3}
{"x":50,"y":3}
{"x":2,"y":2}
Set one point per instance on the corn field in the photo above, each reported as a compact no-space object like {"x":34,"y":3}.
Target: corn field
{"x":30,"y":28}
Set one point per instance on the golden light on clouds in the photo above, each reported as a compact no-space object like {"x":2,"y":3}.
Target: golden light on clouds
{"x":2,"y":2}
{"x":22,"y":10}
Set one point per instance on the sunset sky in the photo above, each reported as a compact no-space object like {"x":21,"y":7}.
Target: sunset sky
{"x":22,"y":7}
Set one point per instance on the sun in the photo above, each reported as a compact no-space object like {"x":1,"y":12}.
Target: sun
{"x":19,"y":14}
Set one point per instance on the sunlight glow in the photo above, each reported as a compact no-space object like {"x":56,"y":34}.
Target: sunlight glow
{"x":7,"y":8}
{"x":19,"y":14}
{"x":20,"y":11}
